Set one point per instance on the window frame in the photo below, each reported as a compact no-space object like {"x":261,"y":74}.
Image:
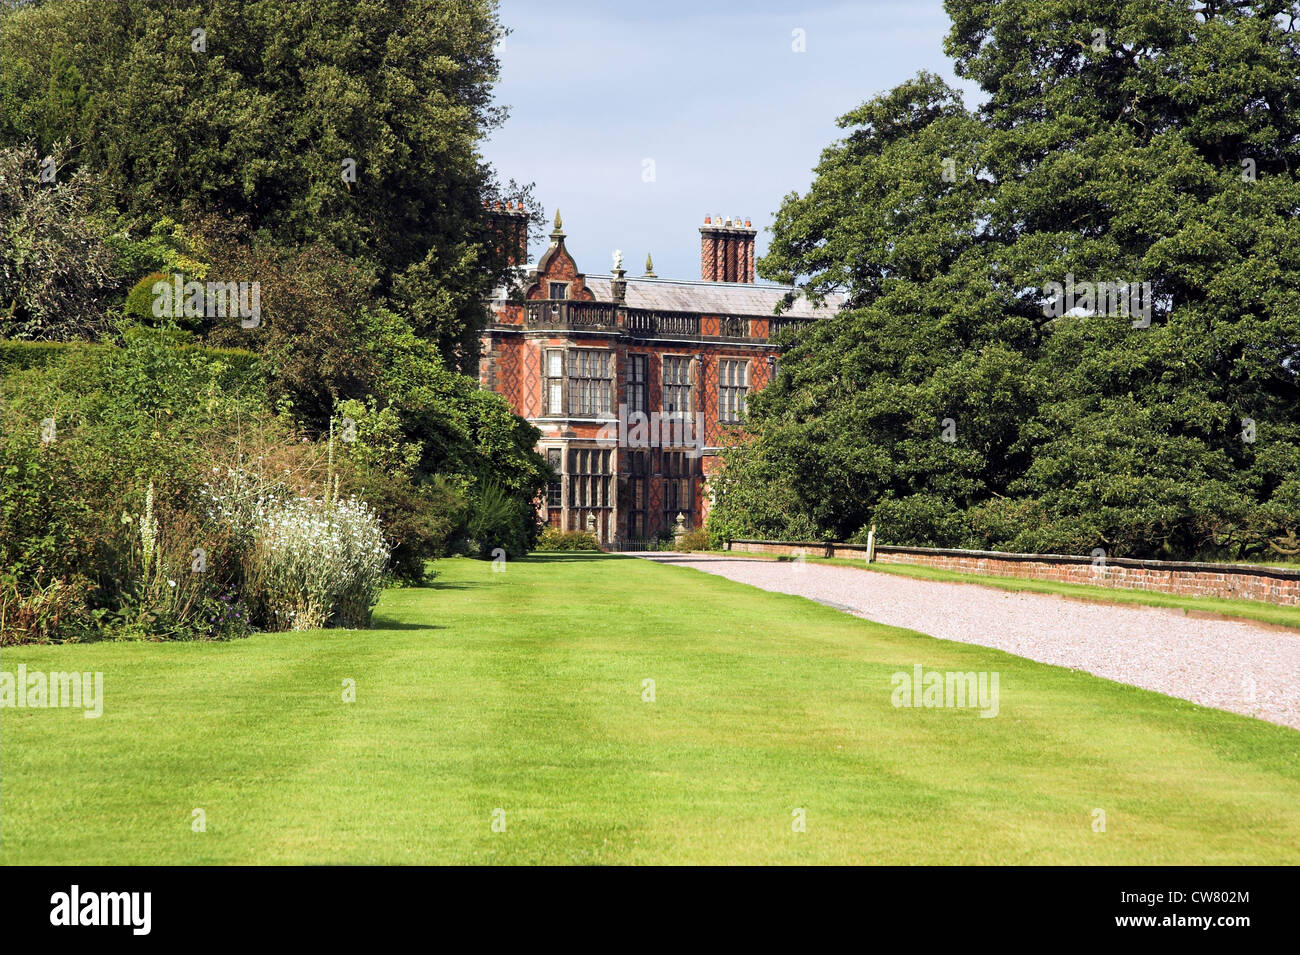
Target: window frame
{"x":555,"y":489}
{"x":732,"y":395}
{"x":555,"y":405}
{"x":638,"y":363}
{"x":679,"y":487}
{"x":638,"y":493}
{"x":591,"y":396}
{"x":684,"y":388}
{"x":591,"y":485}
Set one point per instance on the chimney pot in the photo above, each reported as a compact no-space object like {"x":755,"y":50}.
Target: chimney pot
{"x":727,"y":249}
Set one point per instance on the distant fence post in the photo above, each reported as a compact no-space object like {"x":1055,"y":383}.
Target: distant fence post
{"x":871,"y":544}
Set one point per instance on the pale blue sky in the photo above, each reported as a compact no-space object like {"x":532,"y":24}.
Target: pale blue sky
{"x":712,"y":93}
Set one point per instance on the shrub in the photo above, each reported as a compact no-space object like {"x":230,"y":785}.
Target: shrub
{"x":71,"y":507}
{"x":183,"y":574}
{"x":17,"y":356}
{"x":317,"y":563}
{"x":55,"y":268}
{"x":498,"y":518}
{"x":419,"y":519}
{"x":140,"y":300}
{"x":43,"y":613}
{"x":421,"y":515}
{"x":233,"y":369}
{"x":554,"y":539}
{"x":924,"y":520}
{"x":697,"y":539}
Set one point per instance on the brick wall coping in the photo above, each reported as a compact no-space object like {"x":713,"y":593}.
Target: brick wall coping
{"x":1284,"y":573}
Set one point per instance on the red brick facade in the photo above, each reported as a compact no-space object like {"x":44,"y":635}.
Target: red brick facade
{"x":577,"y":356}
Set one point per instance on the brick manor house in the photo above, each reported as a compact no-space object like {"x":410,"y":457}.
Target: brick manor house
{"x":632,"y":381}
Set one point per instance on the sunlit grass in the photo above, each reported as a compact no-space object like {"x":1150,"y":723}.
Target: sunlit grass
{"x":524,"y":691}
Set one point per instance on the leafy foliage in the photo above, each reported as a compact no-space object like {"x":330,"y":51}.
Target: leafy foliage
{"x":55,"y":265}
{"x":554,"y":539}
{"x":91,"y":443}
{"x":421,"y":518}
{"x":499,"y":520}
{"x":697,"y":539}
{"x":273,"y":104}
{"x":219,"y":145}
{"x":1128,"y":143}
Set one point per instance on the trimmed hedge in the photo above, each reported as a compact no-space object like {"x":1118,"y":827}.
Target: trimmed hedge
{"x":697,"y":539}
{"x":554,"y":539}
{"x":245,"y":366}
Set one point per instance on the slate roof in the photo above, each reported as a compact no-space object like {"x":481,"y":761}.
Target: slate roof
{"x":710,"y":298}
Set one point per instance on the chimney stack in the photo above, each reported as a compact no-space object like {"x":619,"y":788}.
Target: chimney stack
{"x":509,"y":225}
{"x":727,"y":250}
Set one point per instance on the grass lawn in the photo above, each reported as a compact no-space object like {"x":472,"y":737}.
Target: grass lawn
{"x":1256,"y":610}
{"x":523,"y":691}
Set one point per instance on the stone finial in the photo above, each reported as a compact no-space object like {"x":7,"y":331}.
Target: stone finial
{"x":559,"y":224}
{"x":649,"y":267}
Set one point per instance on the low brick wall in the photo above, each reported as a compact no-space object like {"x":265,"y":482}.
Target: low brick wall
{"x":1243,"y":581}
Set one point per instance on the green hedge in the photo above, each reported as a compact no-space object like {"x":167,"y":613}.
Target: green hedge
{"x":245,"y":366}
{"x":18,"y":356}
{"x":554,"y":539}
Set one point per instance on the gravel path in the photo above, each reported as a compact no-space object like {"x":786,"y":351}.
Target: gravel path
{"x":1232,"y":665}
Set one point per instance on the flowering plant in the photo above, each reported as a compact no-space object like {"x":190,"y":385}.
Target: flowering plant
{"x":317,"y":563}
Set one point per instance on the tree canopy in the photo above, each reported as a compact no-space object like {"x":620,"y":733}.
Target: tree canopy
{"x":1148,"y":147}
{"x":355,"y":123}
